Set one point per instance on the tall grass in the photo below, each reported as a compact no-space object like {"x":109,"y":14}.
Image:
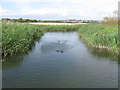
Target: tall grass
{"x":18,"y":38}
{"x":59,"y":28}
{"x":100,"y":36}
{"x":110,"y":23}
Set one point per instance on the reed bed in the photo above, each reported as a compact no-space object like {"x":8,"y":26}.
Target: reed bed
{"x":59,"y":28}
{"x":100,"y":36}
{"x":18,"y":38}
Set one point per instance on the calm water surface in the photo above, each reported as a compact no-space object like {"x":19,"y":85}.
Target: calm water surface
{"x":60,"y":60}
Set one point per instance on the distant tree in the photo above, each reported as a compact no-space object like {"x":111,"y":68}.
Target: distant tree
{"x":20,"y":20}
{"x":27,"y":20}
{"x":14,"y":20}
{"x":34,"y":20}
{"x":106,"y":18}
{"x":39,"y":20}
{"x":111,"y":20}
{"x":7,"y":19}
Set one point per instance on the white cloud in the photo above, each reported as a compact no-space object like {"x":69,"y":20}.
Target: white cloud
{"x":41,"y":1}
{"x":65,"y":8}
{"x":2,"y":10}
{"x":19,"y":1}
{"x":42,"y":11}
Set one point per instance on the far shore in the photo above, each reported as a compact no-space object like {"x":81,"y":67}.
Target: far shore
{"x":58,"y":23}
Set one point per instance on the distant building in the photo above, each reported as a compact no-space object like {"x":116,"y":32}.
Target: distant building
{"x":80,"y":21}
{"x":72,"y":21}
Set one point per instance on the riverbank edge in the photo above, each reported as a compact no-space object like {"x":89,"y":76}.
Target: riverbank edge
{"x":28,"y":40}
{"x":98,"y":47}
{"x":75,"y":28}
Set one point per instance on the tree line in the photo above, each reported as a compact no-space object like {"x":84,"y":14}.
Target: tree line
{"x":21,"y":20}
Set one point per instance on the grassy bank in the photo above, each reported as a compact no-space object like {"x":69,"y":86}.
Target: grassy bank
{"x":18,"y":38}
{"x":59,"y":28}
{"x":100,"y":36}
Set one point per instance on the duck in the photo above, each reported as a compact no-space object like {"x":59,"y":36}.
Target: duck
{"x":62,"y":51}
{"x":57,"y":50}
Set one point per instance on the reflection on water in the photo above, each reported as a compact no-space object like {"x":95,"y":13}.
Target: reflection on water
{"x":103,"y":54}
{"x":58,"y":46}
{"x":60,"y":60}
{"x":12,"y":62}
{"x":54,"y":46}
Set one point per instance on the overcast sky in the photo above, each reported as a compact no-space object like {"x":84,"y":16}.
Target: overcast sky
{"x":58,"y":9}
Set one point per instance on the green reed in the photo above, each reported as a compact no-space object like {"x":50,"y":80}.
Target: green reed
{"x":101,"y":36}
{"x":59,"y":28}
{"x":18,"y":38}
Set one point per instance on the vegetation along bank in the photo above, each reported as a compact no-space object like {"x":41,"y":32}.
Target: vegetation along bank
{"x":100,"y":36}
{"x":19,"y":38}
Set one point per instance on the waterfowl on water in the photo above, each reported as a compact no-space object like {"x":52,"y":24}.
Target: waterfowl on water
{"x":60,"y":51}
{"x":57,"y":50}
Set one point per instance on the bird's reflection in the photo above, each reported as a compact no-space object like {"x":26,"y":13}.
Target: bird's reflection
{"x":58,"y":46}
